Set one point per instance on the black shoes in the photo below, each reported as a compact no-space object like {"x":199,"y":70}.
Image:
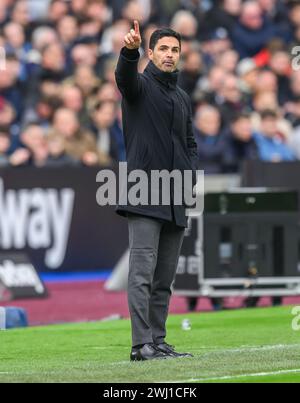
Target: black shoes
{"x":156,"y":352}
{"x":148,"y":352}
{"x":170,"y":350}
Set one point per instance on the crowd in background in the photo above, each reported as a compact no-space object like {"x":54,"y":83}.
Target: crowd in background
{"x":59,"y":105}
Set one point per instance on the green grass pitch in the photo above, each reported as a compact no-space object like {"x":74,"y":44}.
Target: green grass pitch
{"x":256,"y":345}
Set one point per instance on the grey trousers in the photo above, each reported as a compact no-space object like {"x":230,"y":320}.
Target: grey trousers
{"x":154,"y":252}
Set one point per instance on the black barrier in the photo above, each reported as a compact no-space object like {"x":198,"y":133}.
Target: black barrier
{"x":284,"y":175}
{"x":246,"y":243}
{"x":52,"y":216}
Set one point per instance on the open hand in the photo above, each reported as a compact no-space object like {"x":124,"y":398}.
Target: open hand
{"x":133,"y":39}
{"x":19,"y":157}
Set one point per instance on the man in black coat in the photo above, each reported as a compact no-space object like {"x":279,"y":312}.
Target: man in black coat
{"x":157,"y":124}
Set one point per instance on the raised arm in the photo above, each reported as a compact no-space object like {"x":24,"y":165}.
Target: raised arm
{"x":127,"y":76}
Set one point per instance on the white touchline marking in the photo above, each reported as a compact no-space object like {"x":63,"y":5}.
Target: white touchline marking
{"x":224,"y":378}
{"x":257,"y":348}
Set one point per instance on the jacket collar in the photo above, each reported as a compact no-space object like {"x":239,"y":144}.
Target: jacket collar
{"x":168,"y":79}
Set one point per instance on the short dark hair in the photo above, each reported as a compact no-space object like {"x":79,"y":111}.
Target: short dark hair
{"x":268,"y":114}
{"x":239,"y":116}
{"x":162,"y":33}
{"x":4,"y":131}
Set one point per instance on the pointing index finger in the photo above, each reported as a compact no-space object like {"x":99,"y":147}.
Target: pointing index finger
{"x":137,"y":27}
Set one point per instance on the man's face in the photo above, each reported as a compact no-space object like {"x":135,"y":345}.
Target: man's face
{"x":166,"y":54}
{"x":269,"y":126}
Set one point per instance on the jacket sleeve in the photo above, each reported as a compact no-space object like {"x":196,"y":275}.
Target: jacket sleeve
{"x":127,"y":77}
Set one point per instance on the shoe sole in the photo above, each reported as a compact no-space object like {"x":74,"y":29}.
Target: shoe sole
{"x":149,"y":359}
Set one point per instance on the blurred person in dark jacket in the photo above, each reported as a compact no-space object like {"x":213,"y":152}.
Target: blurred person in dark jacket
{"x":231,"y":100}
{"x":294,"y":15}
{"x":224,"y":13}
{"x":241,"y":143}
{"x":191,"y":72}
{"x":280,"y":65}
{"x":35,"y":150}
{"x":51,"y":69}
{"x":292,"y":110}
{"x":104,"y":117}
{"x":295,"y":85}
{"x":10,"y":89}
{"x":211,"y":140}
{"x":253,"y":31}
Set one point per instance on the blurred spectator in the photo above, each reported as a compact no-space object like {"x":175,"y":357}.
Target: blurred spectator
{"x":20,"y":14}
{"x":61,"y":57}
{"x":253,"y":31}
{"x":294,"y":142}
{"x":104,"y":118}
{"x":5,"y":144}
{"x":271,"y":146}
{"x":43,"y":111}
{"x":58,"y":156}
{"x":228,"y":60}
{"x":140,"y":9}
{"x":35,"y":152}
{"x":280,"y":64}
{"x":42,"y":37}
{"x":267,"y":82}
{"x":248,"y":73}
{"x":192,"y":71}
{"x":72,"y":98}
{"x":15,"y":40}
{"x":267,"y":100}
{"x":223,"y":14}
{"x":293,"y":112}
{"x":3,"y":14}
{"x":83,"y":54}
{"x":231,"y":99}
{"x":211,"y":140}
{"x":80,"y":144}
{"x":241,"y":145}
{"x":277,"y":12}
{"x":210,"y":85}
{"x":215,"y":45}
{"x":294,"y":15}
{"x":78,"y":8}
{"x":9,"y":87}
{"x":67,"y":28}
{"x":107,"y":92}
{"x":86,"y":79}
{"x":7,"y":112}
{"x":185,"y":23}
{"x":51,"y":69}
{"x":295,"y":85}
{"x":57,"y":10}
